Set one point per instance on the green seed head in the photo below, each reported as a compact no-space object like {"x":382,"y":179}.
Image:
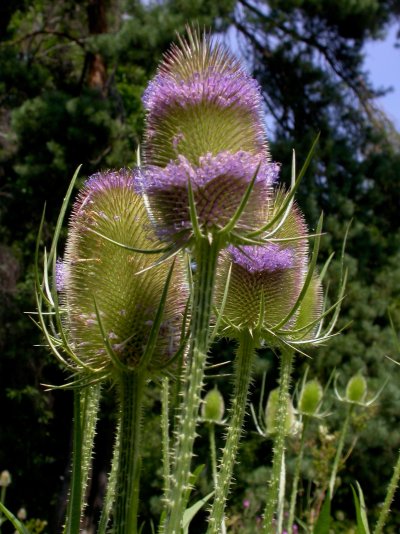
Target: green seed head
{"x":356,"y":389}
{"x":213,"y":406}
{"x":96,"y":270}
{"x":310,"y":397}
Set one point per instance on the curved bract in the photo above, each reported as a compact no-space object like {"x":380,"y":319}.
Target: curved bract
{"x":101,"y":290}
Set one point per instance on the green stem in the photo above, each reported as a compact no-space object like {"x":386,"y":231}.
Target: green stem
{"x":165,"y":433}
{"x":131,"y":389}
{"x":388,"y":499}
{"x":2,"y":501}
{"x":213,"y":451}
{"x":243,"y":371}
{"x":111,"y":486}
{"x":339,"y":450}
{"x":279,"y":442}
{"x":73,"y":519}
{"x":86,"y":408}
{"x":205,"y":256}
{"x":296,"y":477}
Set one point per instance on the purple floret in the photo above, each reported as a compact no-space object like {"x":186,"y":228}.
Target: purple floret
{"x":102,"y":181}
{"x":60,"y":275}
{"x":230,"y":88}
{"x":241,"y":165}
{"x":257,"y":259}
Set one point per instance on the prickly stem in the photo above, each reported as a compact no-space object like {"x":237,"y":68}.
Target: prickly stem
{"x":243,"y":371}
{"x":205,"y":256}
{"x":279,"y":442}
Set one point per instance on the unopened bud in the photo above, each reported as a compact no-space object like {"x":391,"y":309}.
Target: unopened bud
{"x":271,"y":413}
{"x":22,"y":514}
{"x":213,"y":406}
{"x":5,"y":478}
{"x":356,"y":389}
{"x":310,"y":397}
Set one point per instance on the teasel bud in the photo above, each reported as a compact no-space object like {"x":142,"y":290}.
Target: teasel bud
{"x":310,"y":398}
{"x":213,"y":406}
{"x":266,"y":281}
{"x":109,"y":304}
{"x":271,"y":410}
{"x":5,"y":478}
{"x":204,"y":126}
{"x":356,"y":389}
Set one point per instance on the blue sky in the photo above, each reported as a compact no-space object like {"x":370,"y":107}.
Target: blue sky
{"x":382,"y":60}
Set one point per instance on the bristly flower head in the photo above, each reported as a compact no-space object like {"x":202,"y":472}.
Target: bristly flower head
{"x":218,"y":184}
{"x":202,"y":101}
{"x":266,"y":281}
{"x":101,"y":289}
{"x":204,"y":126}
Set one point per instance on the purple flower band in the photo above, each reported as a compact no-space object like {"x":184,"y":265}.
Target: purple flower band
{"x":102,"y":181}
{"x":225,"y":89}
{"x":60,"y":275}
{"x":240,"y":165}
{"x":257,"y":259}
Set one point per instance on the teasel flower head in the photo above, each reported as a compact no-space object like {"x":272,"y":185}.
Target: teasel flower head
{"x":205,"y":143}
{"x":218,"y":184}
{"x":202,"y":101}
{"x":260,"y":284}
{"x":110,"y":302}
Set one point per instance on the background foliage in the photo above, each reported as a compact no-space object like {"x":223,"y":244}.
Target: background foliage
{"x":71,"y":78}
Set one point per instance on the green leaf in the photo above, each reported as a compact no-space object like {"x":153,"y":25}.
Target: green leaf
{"x":324,"y":519}
{"x":14,"y":521}
{"x":361,"y":510}
{"x":128,"y":247}
{"x":290,"y":196}
{"x":193,"y":479}
{"x":192,"y":511}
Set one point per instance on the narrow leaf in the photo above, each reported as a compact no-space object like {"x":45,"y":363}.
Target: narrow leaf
{"x":153,"y":336}
{"x":361,"y":510}
{"x":61,"y":216}
{"x":308,"y":279}
{"x":128,"y":247}
{"x":193,"y":213}
{"x":192,"y":511}
{"x":13,"y":520}
{"x":322,"y":525}
{"x":243,"y":203}
{"x":286,"y":205}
